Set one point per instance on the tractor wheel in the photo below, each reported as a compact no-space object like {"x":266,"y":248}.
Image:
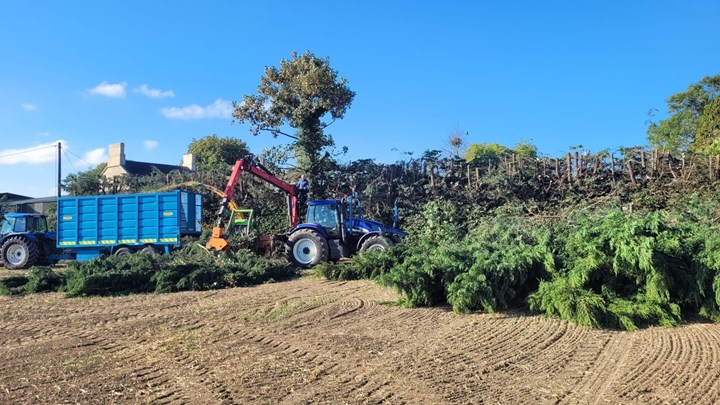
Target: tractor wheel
{"x":307,"y":248}
{"x":375,"y":243}
{"x":122,"y":252}
{"x":19,"y":253}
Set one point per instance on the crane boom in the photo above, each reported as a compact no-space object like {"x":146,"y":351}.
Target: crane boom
{"x":248,"y":164}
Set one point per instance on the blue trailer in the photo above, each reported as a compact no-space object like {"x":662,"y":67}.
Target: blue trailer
{"x":89,"y":226}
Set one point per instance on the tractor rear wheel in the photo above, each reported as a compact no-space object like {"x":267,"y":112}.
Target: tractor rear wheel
{"x":375,"y":243}
{"x":19,"y":253}
{"x":307,"y":248}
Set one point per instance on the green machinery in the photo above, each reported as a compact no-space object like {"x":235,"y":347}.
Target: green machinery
{"x":242,"y":221}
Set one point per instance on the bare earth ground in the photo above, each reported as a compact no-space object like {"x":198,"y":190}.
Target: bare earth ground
{"x":316,"y":341}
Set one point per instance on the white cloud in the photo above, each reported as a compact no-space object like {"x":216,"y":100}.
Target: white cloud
{"x":38,"y":154}
{"x":44,"y":133}
{"x":150,"y":145}
{"x":116,"y":90}
{"x":219,"y":109}
{"x":153,"y":93}
{"x":28,"y":106}
{"x":96,"y":156}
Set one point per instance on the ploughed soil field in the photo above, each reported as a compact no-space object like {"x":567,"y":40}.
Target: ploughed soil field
{"x":316,"y":341}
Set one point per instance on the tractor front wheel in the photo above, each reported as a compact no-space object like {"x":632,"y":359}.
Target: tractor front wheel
{"x":375,"y":243}
{"x":307,"y":248}
{"x":19,"y":253}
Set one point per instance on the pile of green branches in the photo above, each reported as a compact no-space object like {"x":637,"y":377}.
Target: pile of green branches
{"x":605,"y":268}
{"x":488,"y":269}
{"x":625,"y":271}
{"x":39,"y":279}
{"x":190,"y":268}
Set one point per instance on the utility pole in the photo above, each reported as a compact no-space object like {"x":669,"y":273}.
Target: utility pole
{"x":59,"y":178}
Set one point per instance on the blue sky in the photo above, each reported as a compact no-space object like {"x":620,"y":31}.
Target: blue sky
{"x":155,"y":75}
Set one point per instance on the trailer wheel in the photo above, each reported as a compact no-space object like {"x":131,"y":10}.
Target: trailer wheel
{"x":375,"y":243}
{"x":122,"y":252}
{"x":149,"y":250}
{"x":307,"y":248}
{"x":19,"y":253}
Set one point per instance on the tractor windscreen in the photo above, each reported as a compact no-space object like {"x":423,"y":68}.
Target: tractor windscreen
{"x":7,"y":226}
{"x":325,"y":215}
{"x":28,"y":224}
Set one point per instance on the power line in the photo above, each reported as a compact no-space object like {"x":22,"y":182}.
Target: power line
{"x":71,"y":163}
{"x":28,"y":151}
{"x":70,"y":152}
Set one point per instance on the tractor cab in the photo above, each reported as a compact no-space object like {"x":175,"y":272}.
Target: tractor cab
{"x":23,"y":223}
{"x":329,"y":214}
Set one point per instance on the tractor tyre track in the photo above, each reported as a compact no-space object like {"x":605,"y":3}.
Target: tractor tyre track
{"x":318,"y":341}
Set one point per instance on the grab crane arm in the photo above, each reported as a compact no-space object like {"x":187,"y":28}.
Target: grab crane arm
{"x":248,"y":164}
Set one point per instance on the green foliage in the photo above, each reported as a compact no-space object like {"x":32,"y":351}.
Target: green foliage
{"x":485,"y":152}
{"x":214,"y":153}
{"x":300,"y":94}
{"x":39,"y":279}
{"x":111,"y":276}
{"x":625,"y":270}
{"x":598,"y":268}
{"x":707,"y":138}
{"x":44,"y":279}
{"x":488,"y":269}
{"x":196,"y":269}
{"x":13,"y":285}
{"x":526,"y":149}
{"x":677,"y":132}
{"x":191,"y":268}
{"x":368,"y":265}
{"x":566,"y":301}
{"x":505,"y":258}
{"x":85,"y":183}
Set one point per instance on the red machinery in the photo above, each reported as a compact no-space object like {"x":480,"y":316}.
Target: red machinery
{"x":248,"y":164}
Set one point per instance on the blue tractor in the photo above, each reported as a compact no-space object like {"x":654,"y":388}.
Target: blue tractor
{"x":332,"y":231}
{"x":25,"y":240}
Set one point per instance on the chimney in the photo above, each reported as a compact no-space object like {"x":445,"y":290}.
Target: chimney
{"x":189,"y":161}
{"x":116,"y":155}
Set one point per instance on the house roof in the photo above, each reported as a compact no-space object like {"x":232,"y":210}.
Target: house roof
{"x":13,"y":197}
{"x":145,"y":168}
{"x":30,"y":200}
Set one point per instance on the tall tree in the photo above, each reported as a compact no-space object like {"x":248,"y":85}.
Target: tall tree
{"x":679,"y":132}
{"x":214,"y":153}
{"x":302,"y":94}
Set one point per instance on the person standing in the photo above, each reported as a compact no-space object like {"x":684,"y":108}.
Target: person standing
{"x":303,"y":187}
